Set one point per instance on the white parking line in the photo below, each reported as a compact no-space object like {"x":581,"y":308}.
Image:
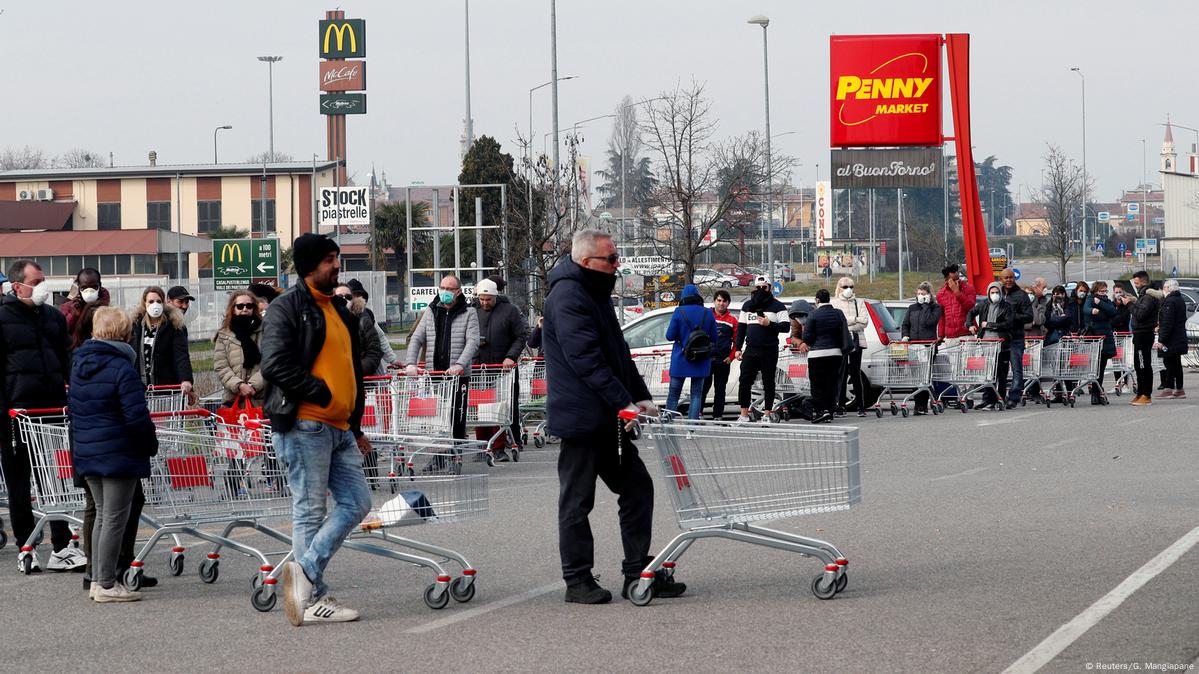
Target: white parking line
{"x":1060,"y":443}
{"x":1007,"y":419}
{"x":486,"y":608}
{"x":1067,"y":634}
{"x":1129,"y":423}
{"x":964,"y":473}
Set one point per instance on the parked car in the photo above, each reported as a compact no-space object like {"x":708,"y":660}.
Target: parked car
{"x":745,"y":277}
{"x":714,"y":279}
{"x":898,"y":309}
{"x":647,"y":335}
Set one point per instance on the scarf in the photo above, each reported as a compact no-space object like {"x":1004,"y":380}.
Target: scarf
{"x":243,"y":328}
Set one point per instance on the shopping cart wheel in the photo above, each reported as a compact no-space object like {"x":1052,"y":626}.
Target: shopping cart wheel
{"x":460,"y":591}
{"x":539,"y":442}
{"x":904,"y":411}
{"x":842,"y":581}
{"x":133,"y":578}
{"x":524,"y":438}
{"x":264,"y":598}
{"x":489,"y":458}
{"x":3,"y":539}
{"x":640,"y":597}
{"x":210,"y":570}
{"x":514,"y":454}
{"x":895,"y":409}
{"x":26,"y":564}
{"x":438,"y":602}
{"x":1071,"y":402}
{"x":824,"y":588}
{"x":773,"y":417}
{"x":878,"y":413}
{"x":176,"y":565}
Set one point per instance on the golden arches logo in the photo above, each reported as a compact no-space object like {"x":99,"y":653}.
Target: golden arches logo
{"x":230,"y":251}
{"x":865,"y":88}
{"x":341,"y":30}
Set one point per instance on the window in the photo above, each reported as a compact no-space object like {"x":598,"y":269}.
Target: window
{"x":108,"y":216}
{"x":74,"y":263}
{"x":166,"y":262}
{"x":158,"y":215}
{"x":58,"y":267}
{"x":256,"y":216}
{"x":108,"y":264}
{"x":650,"y":331}
{"x":144,"y":264}
{"x":209,"y":216}
{"x":123,"y":264}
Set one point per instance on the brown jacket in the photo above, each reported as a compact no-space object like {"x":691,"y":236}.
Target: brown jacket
{"x":229,"y":363}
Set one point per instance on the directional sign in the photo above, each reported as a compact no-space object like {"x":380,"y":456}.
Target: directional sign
{"x":236,"y":263}
{"x":1121,"y":247}
{"x":1133,"y":208}
{"x":1016,"y":271}
{"x":776,"y":288}
{"x":343,"y":104}
{"x":1104,"y":216}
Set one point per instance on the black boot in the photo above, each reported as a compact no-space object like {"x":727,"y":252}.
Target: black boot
{"x":587,"y":591}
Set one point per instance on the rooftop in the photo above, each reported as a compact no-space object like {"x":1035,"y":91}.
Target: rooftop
{"x":163,"y":171}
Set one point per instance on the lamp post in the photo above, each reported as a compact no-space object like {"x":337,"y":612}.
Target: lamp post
{"x":574,"y":131}
{"x":270,"y":62}
{"x":470,"y":126}
{"x":1144,"y":188}
{"x":1084,"y":170}
{"x":763,"y":21}
{"x":529,"y":182}
{"x":214,"y":132}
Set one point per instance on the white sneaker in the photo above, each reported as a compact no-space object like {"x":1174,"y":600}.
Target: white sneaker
{"x":326,"y":610}
{"x":743,"y":419}
{"x":297,"y":592}
{"x":91,"y":593}
{"x":69,"y":558}
{"x":116,"y":593}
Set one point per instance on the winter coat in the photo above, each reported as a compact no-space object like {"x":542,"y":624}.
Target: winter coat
{"x":1036,"y":326}
{"x":590,"y":372}
{"x":1122,"y":321}
{"x":689,"y":315}
{"x":172,"y":364}
{"x":73,"y":308}
{"x":463,"y":344}
{"x":726,"y":336}
{"x":826,"y":332}
{"x":293,"y":334}
{"x":857,"y":317}
{"x":1022,"y":311}
{"x":921,"y":321}
{"x":502,"y":332}
{"x":1171,"y":324}
{"x":751,"y":335}
{"x":112,"y":434}
{"x":372,"y":349}
{"x":954,"y":308}
{"x":389,"y":354}
{"x":1100,"y":324}
{"x":1000,"y":328}
{"x":34,"y":346}
{"x":228,"y":360}
{"x":1059,"y":322}
{"x":1144,"y":311}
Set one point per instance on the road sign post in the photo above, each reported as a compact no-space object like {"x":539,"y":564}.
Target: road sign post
{"x":236,"y":263}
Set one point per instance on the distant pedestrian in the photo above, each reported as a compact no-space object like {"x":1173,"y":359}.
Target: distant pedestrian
{"x":502,"y":334}
{"x":1022,"y":313}
{"x":449,"y":330}
{"x":1172,"y":338}
{"x":87,"y":295}
{"x":1143,"y":305}
{"x":1099,"y":324}
{"x":112,"y":440}
{"x":1121,"y":321}
{"x":857,"y":316}
{"x":1038,"y":299}
{"x":826,"y":340}
{"x":1058,"y":322}
{"x":160,"y":340}
{"x":368,"y":337}
{"x":920,"y":324}
{"x":236,"y":357}
{"x":993,"y":318}
{"x":723,"y":352}
{"x":956,"y":297}
{"x":763,"y":319}
{"x":692,"y":328}
{"x":798,"y":314}
{"x":180,"y":298}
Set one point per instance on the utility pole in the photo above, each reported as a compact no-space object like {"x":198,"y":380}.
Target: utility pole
{"x":554,"y":97}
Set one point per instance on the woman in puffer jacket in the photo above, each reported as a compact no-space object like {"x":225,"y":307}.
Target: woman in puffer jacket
{"x":857,"y":317}
{"x":235,"y":355}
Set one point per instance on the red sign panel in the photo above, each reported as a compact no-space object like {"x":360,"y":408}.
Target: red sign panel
{"x":885,"y":90}
{"x":343,"y":75}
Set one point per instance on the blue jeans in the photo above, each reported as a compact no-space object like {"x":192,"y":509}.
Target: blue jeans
{"x":697,"y":395}
{"x":1016,"y":350}
{"x":322,"y":460}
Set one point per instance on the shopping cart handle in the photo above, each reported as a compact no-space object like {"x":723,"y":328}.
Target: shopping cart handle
{"x":202,"y":413}
{"x":629,"y":415}
{"x":36,"y":411}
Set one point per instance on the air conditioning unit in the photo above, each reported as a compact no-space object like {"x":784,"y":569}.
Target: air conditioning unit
{"x":45,"y":195}
{"x":25,"y":195}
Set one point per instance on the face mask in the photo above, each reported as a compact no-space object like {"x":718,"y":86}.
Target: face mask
{"x":1103,"y":296}
{"x":1032,"y":297}
{"x":995,"y":297}
{"x":847,"y":293}
{"x":89,"y":295}
{"x":1081,"y":294}
{"x":922,"y":299}
{"x":155,"y":310}
{"x":41,"y":293}
{"x":446,"y":296}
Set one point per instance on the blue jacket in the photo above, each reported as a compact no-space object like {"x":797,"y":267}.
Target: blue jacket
{"x":826,"y":330}
{"x":112,"y":433}
{"x":689,"y":315}
{"x":589,"y":371}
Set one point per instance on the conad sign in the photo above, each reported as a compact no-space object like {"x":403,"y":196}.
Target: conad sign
{"x":885,"y":90}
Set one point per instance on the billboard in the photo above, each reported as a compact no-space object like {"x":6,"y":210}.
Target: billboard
{"x":342,"y":75}
{"x":342,"y":38}
{"x":347,"y":206}
{"x":343,"y":104}
{"x":885,"y":90}
{"x":236,"y":263}
{"x":909,"y":167}
{"x":824,"y":213}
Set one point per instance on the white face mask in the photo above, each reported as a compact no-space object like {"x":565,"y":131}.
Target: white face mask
{"x":41,"y":293}
{"x":1081,"y":294}
{"x":89,"y":295}
{"x":994,"y":297}
{"x":154,"y":310}
{"x":1032,"y":297}
{"x":922,"y":299}
{"x":847,"y":293}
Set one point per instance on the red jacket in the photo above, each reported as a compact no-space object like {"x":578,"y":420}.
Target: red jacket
{"x":727,"y":322}
{"x":953,"y":320}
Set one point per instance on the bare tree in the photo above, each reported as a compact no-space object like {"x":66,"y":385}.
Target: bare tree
{"x":269,"y":158}
{"x":702,"y":180}
{"x":78,"y":158}
{"x":20,"y":159}
{"x":1061,"y":196}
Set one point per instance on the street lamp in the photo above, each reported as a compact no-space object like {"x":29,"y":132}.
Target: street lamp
{"x":529,"y":180}
{"x":214,"y":132}
{"x":1084,"y":170}
{"x":270,"y":62}
{"x":760,"y":20}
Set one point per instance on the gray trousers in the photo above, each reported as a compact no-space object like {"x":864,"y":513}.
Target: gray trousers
{"x":113,"y":496}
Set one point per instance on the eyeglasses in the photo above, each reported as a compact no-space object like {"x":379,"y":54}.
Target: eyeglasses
{"x":848,"y":286}
{"x":611,"y":259}
{"x":243,"y":305}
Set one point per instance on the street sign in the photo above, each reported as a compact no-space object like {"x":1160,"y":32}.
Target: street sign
{"x":667,"y":296}
{"x":1104,"y":216}
{"x":1121,"y":247}
{"x":342,"y":38}
{"x":1133,"y":208}
{"x":420,"y":297}
{"x":343,"y":104}
{"x":1016,"y":271}
{"x":1131,"y":217}
{"x":1146,"y":247}
{"x":1099,"y":248}
{"x":348,"y":206}
{"x":776,"y":288}
{"x":236,"y":263}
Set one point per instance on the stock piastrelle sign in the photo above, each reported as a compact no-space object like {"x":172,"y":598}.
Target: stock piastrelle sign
{"x":885,"y":90}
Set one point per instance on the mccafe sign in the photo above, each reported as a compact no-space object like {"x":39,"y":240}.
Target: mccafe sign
{"x":343,"y":75}
{"x":885,"y":90}
{"x":908,"y":167}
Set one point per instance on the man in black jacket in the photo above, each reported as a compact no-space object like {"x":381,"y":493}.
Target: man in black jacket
{"x":312,"y":365}
{"x":763,"y":319}
{"x":1143,"y":306}
{"x":35,"y":362}
{"x":1022,"y":313}
{"x":502,"y":333}
{"x":994,"y":318}
{"x":591,"y":378}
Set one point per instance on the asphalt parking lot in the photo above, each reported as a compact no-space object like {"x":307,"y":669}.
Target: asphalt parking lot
{"x":1060,"y":539}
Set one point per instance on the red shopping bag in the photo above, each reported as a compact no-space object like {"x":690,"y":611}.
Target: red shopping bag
{"x":240,"y":412}
{"x":237,"y":438}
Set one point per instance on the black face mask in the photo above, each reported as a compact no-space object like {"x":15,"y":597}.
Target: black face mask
{"x":599,"y":283}
{"x":761,"y":295}
{"x":245,"y":323}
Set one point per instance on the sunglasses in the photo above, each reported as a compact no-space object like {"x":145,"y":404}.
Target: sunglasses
{"x":243,"y":305}
{"x":611,"y":259}
{"x":844,"y":287}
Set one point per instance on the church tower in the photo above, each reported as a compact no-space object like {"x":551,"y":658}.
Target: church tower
{"x":1169,"y":156}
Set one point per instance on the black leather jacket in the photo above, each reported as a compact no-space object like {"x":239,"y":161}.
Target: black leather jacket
{"x":293,"y":333}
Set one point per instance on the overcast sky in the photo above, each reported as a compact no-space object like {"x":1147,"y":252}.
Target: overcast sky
{"x":161,"y":75}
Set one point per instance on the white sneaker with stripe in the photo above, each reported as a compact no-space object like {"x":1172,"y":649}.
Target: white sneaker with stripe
{"x":327,"y":610}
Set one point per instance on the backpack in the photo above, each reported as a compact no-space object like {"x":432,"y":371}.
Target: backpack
{"x":697,"y":347}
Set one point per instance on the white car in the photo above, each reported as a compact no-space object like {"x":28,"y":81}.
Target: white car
{"x":714,"y":279}
{"x":647,"y":335}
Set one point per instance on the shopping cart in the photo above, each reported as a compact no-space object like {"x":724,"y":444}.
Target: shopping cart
{"x":534,"y":390}
{"x":1074,"y":369}
{"x":654,"y":368}
{"x":968,"y":368}
{"x":166,"y":398}
{"x":45,"y":434}
{"x":723,"y":478}
{"x":489,"y":405}
{"x":1033,"y":350}
{"x":378,"y":405}
{"x":3,"y":504}
{"x":1122,"y":365}
{"x":903,"y":367}
{"x":208,"y":473}
{"x":791,"y":385}
{"x":423,"y":403}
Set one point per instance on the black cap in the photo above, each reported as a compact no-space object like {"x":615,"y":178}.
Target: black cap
{"x":179,"y":293}
{"x":356,"y":288}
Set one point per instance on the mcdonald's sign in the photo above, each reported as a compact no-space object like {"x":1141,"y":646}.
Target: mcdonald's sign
{"x":236,"y":263}
{"x":342,"y":38}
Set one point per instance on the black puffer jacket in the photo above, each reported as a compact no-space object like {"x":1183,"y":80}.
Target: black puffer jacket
{"x":1000,"y":328}
{"x":172,"y":362}
{"x":502,"y":333}
{"x":34,"y":347}
{"x":921,"y":321}
{"x":293,"y":334}
{"x":1171,"y":324}
{"x":590,"y":372}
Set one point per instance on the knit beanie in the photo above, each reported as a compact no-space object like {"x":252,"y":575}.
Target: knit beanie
{"x":309,"y":250}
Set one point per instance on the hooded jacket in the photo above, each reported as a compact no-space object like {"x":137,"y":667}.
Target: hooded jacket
{"x":372,"y":349}
{"x":34,"y":356}
{"x":826,"y":333}
{"x":460,"y":344}
{"x":112,"y":434}
{"x":751,"y":335}
{"x":1002,"y":326}
{"x":1100,"y":324}
{"x":1171,"y":324}
{"x":502,"y":332}
{"x":229,"y":362}
{"x":689,"y":315}
{"x":172,"y":363}
{"x":590,"y":372}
